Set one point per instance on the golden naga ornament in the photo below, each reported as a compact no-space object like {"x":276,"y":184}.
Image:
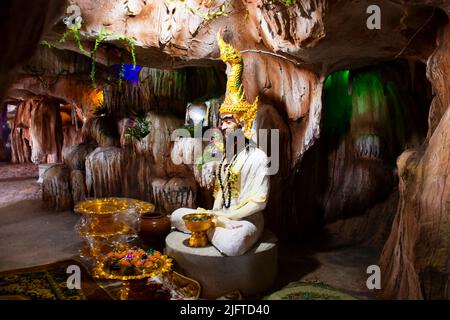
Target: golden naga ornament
{"x":235,"y":102}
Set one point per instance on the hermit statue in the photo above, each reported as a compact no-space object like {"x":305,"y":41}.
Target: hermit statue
{"x":241,"y":183}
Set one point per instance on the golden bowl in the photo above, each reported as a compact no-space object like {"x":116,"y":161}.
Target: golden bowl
{"x":103,"y":206}
{"x":198,"y":224}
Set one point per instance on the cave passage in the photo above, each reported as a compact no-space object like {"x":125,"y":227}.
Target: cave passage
{"x":348,"y":179}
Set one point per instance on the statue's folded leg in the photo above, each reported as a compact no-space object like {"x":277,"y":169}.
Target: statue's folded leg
{"x":236,"y":242}
{"x":176,"y":218}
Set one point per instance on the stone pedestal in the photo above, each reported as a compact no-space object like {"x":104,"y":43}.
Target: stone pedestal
{"x":252,"y":273}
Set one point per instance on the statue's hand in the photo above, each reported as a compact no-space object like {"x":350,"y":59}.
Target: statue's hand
{"x":223,"y":222}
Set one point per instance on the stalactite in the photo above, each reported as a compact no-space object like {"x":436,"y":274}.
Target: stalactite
{"x":104,"y":172}
{"x":175,"y":193}
{"x":46,"y":131}
{"x":139,"y":174}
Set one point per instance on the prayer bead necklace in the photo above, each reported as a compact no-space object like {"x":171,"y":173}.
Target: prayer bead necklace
{"x":222,"y":187}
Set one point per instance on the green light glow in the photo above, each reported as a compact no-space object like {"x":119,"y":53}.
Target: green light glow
{"x":351,"y":96}
{"x":338,"y":104}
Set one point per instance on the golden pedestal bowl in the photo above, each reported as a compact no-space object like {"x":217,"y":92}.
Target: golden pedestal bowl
{"x":103,"y":206}
{"x":101,"y":224}
{"x":198,"y":224}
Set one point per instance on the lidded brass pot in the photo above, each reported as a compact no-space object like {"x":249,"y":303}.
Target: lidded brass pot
{"x":198,"y":224}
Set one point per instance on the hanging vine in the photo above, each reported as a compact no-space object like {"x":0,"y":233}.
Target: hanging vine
{"x":103,"y":36}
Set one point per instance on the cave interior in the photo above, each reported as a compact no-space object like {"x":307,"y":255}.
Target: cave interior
{"x":363,"y":136}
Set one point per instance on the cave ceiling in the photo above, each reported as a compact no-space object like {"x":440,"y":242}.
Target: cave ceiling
{"x":172,"y":34}
{"x":293,"y":46}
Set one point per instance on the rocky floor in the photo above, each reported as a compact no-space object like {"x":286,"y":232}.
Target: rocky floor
{"x":31,"y":235}
{"x":18,"y":183}
{"x":342,"y":267}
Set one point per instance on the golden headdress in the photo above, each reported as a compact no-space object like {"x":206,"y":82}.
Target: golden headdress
{"x":235,"y":102}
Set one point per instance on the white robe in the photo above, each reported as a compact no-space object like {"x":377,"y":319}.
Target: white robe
{"x":236,"y":236}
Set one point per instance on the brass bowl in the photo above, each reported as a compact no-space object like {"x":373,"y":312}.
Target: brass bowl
{"x":198,"y":224}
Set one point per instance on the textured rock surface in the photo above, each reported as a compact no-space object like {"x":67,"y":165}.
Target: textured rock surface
{"x":100,"y":131}
{"x":22,"y":35}
{"x":370,"y":229}
{"x":37,"y":133}
{"x":187,"y":150}
{"x":294,"y":91}
{"x":20,"y":133}
{"x":56,"y":188}
{"x":46,"y":131}
{"x":309,"y":30}
{"x":104,"y":172}
{"x":174,"y":193}
{"x":77,"y":186}
{"x":75,"y":156}
{"x":438,"y":72}
{"x":415,"y":260}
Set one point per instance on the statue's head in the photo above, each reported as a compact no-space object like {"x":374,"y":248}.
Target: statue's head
{"x":230,"y":123}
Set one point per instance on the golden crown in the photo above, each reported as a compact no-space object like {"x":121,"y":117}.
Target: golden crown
{"x":235,"y":102}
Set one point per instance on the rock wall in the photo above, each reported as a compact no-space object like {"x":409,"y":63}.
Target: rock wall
{"x":5,"y":149}
{"x":46,"y":131}
{"x":20,"y":133}
{"x":21,"y":36}
{"x":139,"y":169}
{"x":104,"y":172}
{"x":415,"y":259}
{"x":56,"y":192}
{"x":37,"y":134}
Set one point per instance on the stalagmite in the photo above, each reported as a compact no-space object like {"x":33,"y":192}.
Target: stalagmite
{"x":56,"y":188}
{"x":77,"y":186}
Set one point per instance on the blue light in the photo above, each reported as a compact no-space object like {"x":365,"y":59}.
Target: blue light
{"x":130,"y":72}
